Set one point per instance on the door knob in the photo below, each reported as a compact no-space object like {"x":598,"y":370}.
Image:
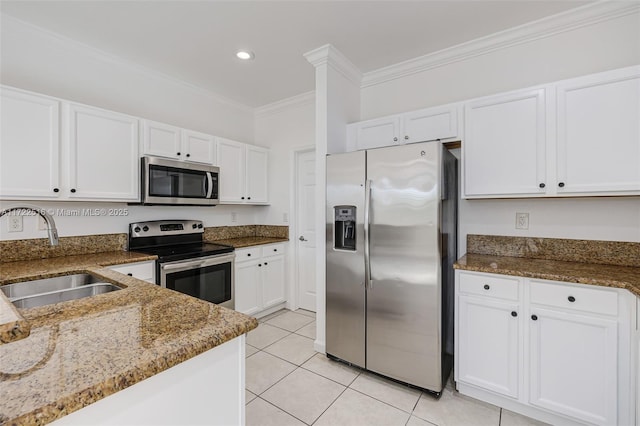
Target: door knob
{"x":302,"y":238}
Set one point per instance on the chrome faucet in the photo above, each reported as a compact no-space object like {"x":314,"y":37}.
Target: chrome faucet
{"x":51,"y":224}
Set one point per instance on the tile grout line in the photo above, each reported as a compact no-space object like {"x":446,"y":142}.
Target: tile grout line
{"x":332,"y":402}
{"x":281,"y":409}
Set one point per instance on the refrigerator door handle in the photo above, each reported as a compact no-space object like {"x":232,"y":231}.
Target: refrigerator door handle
{"x":368,"y":283}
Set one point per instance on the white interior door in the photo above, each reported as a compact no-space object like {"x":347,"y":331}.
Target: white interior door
{"x":306,"y":238}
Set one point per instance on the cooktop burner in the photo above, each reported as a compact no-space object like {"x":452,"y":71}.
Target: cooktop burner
{"x":173,"y":240}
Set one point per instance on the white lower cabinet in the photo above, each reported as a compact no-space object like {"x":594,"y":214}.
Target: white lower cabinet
{"x":558,"y":352}
{"x":145,"y":271}
{"x":259,"y":278}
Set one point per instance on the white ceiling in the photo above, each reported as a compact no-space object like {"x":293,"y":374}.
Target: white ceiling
{"x":196,"y":41}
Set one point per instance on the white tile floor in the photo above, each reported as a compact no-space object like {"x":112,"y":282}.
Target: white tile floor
{"x":288,"y":383}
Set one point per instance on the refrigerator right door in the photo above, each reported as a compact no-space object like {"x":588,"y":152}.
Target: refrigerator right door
{"x":404,"y":294}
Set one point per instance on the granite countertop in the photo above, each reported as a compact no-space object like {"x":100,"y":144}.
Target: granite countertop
{"x":243,"y":242}
{"x":81,"y":351}
{"x":627,"y":277}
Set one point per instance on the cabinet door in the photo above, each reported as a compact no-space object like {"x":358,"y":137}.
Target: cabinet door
{"x":430,"y":124}
{"x":198,"y":147}
{"x":273,"y":287}
{"x":103,"y":155}
{"x":489,"y":344}
{"x":257,"y":175}
{"x":29,"y":146}
{"x":599,"y":133}
{"x":162,"y":140}
{"x":248,"y":298}
{"x":231,"y":160}
{"x":504,"y":148}
{"x":377,"y":133}
{"x":573,"y":365}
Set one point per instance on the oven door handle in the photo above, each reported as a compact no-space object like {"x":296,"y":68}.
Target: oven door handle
{"x":182,"y":265}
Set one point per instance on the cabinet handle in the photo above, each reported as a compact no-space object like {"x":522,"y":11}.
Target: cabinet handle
{"x":130,"y":274}
{"x":514,"y":314}
{"x":56,"y":190}
{"x":542,"y":185}
{"x":188,"y":155}
{"x":395,"y":139}
{"x":561,"y":184}
{"x":73,"y":190}
{"x":406,"y":138}
{"x":571,"y":299}
{"x":486,"y":287}
{"x":534,"y":317}
{"x":178,"y":153}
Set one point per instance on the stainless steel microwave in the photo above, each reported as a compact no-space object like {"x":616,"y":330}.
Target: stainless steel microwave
{"x":172,"y":182}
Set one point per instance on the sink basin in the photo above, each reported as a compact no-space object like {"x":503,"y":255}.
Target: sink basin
{"x":29,"y":294}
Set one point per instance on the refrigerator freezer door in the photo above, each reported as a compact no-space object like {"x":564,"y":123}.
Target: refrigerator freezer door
{"x":345,"y":279}
{"x":404,"y":298}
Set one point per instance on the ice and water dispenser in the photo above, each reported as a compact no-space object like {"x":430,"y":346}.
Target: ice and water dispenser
{"x":344,"y":225}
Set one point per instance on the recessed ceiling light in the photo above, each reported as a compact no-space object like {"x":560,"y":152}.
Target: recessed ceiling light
{"x":245,"y":55}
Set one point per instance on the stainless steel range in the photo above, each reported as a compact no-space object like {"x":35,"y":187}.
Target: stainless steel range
{"x":185,"y":262}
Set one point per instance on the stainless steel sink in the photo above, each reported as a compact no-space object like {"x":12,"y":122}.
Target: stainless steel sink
{"x":29,"y":294}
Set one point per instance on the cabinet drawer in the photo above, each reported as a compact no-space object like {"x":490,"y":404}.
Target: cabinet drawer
{"x":489,"y":285}
{"x":141,"y":270}
{"x":575,"y":297}
{"x":247,"y":254}
{"x":273,"y":250}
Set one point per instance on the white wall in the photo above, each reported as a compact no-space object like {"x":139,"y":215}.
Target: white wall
{"x":37,"y":60}
{"x":606,"y":45}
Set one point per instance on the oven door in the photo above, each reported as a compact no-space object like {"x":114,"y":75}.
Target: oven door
{"x":207,"y":278}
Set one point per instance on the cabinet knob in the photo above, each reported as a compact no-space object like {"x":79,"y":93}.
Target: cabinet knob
{"x":561,"y":184}
{"x":301,"y":240}
{"x":249,"y":254}
{"x":265,"y":263}
{"x":178,"y":153}
{"x":130,"y":274}
{"x":486,"y":287}
{"x":406,"y":137}
{"x":514,"y":314}
{"x":248,"y":198}
{"x":534,"y":317}
{"x":542,"y":185}
{"x":395,"y":139}
{"x":188,"y":155}
{"x":56,"y":190}
{"x":260,"y":264}
{"x":73,"y":190}
{"x":242,"y":198}
{"x":571,"y":299}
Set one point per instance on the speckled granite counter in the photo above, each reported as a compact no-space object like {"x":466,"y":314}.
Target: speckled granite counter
{"x":81,"y":351}
{"x":249,"y":241}
{"x":602,"y":263}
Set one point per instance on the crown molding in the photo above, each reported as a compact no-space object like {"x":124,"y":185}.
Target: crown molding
{"x":329,"y":55}
{"x":546,"y":27}
{"x":276,"y":107}
{"x":118,"y":60}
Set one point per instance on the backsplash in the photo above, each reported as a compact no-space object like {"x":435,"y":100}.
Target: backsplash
{"x":39,"y":248}
{"x":588,"y":251}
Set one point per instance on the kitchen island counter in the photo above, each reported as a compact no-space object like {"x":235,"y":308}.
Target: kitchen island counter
{"x":81,"y":351}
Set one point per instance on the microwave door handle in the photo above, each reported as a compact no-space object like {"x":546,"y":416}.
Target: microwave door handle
{"x":209,"y":185}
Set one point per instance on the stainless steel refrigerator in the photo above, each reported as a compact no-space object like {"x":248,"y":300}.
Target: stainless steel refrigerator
{"x":391,"y":243}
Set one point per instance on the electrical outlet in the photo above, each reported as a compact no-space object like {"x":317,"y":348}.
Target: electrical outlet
{"x":285,"y":217}
{"x":234,"y":217}
{"x":15,"y":223}
{"x":42,"y":225}
{"x":522,"y":220}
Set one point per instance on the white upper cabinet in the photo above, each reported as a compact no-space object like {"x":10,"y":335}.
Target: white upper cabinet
{"x":584,"y":140}
{"x":96,"y":158}
{"x":164,"y":140}
{"x":417,"y":126}
{"x":243,"y":173}
{"x":504,"y":146}
{"x":598,"y":134}
{"x":103,"y":155}
{"x":29,"y":145}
